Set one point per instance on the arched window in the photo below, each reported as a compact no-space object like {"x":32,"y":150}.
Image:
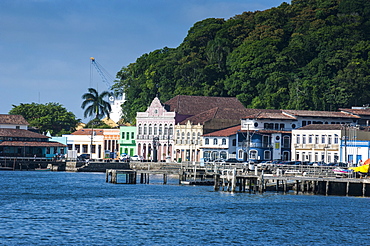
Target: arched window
{"x":155,"y":129}
{"x":140,"y":130}
{"x":183,"y":138}
{"x":145,"y":129}
{"x":165,"y":129}
{"x":224,"y":141}
{"x":150,"y":129}
{"x":253,"y":154}
{"x":170,"y":130}
{"x":160,"y":129}
{"x":215,"y":141}
{"x":206,"y":141}
{"x":188,"y":138}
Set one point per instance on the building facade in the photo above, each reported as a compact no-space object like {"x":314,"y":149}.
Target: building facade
{"x":127,"y":142}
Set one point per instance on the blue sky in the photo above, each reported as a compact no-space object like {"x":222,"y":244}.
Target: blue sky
{"x":46,"y":45}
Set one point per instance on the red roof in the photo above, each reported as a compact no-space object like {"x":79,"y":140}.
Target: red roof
{"x":193,"y":105}
{"x":225,"y":132}
{"x":12,"y":119}
{"x":31,"y":144}
{"x":9,"y":132}
{"x":86,"y":131}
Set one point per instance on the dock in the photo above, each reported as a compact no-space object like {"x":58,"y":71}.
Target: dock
{"x":241,"y":178}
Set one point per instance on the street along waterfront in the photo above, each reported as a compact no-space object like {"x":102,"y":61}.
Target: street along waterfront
{"x":60,"y":208}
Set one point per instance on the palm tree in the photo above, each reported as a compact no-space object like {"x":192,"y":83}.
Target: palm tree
{"x":97,"y":106}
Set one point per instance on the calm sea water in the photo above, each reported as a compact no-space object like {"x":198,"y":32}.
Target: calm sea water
{"x":59,"y":208}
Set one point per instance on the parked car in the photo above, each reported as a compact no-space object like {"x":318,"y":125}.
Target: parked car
{"x":136,"y":158}
{"x":124,"y":157}
{"x":84,"y":157}
{"x":232,"y":160}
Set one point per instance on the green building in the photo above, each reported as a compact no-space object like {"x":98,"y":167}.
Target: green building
{"x":127,"y":143}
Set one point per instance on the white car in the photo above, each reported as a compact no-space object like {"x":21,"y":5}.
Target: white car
{"x":136,"y":158}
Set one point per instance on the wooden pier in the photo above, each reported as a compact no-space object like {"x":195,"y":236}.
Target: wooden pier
{"x":239,"y":178}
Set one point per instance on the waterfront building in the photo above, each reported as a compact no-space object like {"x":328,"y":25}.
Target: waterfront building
{"x":155,"y":126}
{"x":330,"y":143}
{"x":99,"y":143}
{"x":189,"y":143}
{"x":86,"y":141}
{"x":127,"y":142}
{"x":220,"y":144}
{"x":17,"y":141}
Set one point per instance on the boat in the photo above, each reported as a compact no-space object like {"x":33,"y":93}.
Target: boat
{"x":42,"y":169}
{"x":339,"y":170}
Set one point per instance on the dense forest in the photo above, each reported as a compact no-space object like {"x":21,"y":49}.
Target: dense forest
{"x":310,"y":54}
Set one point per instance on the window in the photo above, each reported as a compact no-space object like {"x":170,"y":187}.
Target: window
{"x":165,"y":129}
{"x":282,"y":126}
{"x":316,"y":139}
{"x":253,"y":154}
{"x":127,"y":136}
{"x":329,"y":139}
{"x":47,"y":150}
{"x":206,"y":141}
{"x":322,"y":139}
{"x":286,"y":142}
{"x":240,"y":154}
{"x":132,"y":135}
{"x":160,"y":129}
{"x":304,"y":139}
{"x":215,"y":141}
{"x":155,"y":129}
{"x":224,"y":141}
{"x":298,"y":139}
{"x":255,"y":124}
{"x":140,"y":130}
{"x":93,"y":148}
{"x":234,"y":142}
{"x":77,"y":148}
{"x":123,"y":135}
{"x":145,"y":129}
{"x":267,"y":155}
{"x":84,"y":148}
{"x":150,"y":130}
{"x":309,"y":139}
{"x":188,"y":138}
{"x":336,"y":138}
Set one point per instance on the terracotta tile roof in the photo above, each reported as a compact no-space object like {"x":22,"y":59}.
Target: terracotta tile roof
{"x":265,"y":131}
{"x":86,"y":131}
{"x":7,"y":132}
{"x":363,"y":111}
{"x":31,"y":144}
{"x":270,"y":114}
{"x":322,"y":127}
{"x":224,"y":133}
{"x":192,"y":105}
{"x":217,"y":113}
{"x":322,"y":114}
{"x":12,"y":119}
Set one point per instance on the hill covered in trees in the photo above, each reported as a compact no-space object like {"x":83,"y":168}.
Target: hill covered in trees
{"x":310,"y":54}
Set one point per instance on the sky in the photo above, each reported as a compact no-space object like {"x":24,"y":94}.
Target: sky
{"x":46,"y":45}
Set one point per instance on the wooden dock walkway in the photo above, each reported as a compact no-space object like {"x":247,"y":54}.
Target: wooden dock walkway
{"x":239,"y":178}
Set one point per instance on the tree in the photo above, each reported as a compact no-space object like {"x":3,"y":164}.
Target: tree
{"x":52,"y":117}
{"x":96,"y":104}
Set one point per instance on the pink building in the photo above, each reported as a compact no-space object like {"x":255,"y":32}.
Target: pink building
{"x":155,"y":131}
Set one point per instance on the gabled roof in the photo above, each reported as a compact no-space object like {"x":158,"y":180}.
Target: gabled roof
{"x":270,"y":114}
{"x":87,"y":131}
{"x":217,"y":113}
{"x":356,"y":111}
{"x":321,"y":114}
{"x":32,"y":144}
{"x":12,"y":119}
{"x":9,"y":132}
{"x":224,"y":133}
{"x":322,"y":127}
{"x":192,"y":105}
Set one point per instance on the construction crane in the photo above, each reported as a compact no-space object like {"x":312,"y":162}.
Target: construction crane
{"x":115,"y":101}
{"x":102,"y":72}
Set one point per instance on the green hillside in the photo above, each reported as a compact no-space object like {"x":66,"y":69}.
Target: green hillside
{"x":310,"y":54}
